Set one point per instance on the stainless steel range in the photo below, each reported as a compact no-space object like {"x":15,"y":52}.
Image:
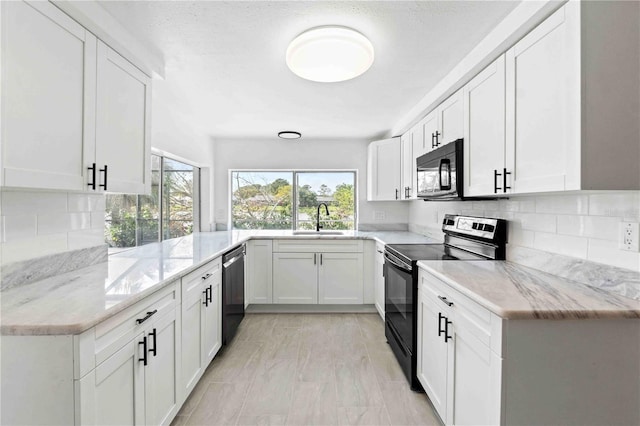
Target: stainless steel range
{"x":466,"y":238}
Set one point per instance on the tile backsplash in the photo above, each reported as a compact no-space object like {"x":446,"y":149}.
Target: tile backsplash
{"x":583,"y":225}
{"x":40,"y":223}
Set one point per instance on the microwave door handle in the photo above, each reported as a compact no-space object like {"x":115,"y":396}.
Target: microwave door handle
{"x":445,"y":164}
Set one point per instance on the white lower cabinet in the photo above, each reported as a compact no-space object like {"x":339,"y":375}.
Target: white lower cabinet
{"x":295,"y":278}
{"x":115,"y":390}
{"x":325,"y":272}
{"x":259,"y":271}
{"x":456,"y":365}
{"x":201,"y":324}
{"x":340,"y":279}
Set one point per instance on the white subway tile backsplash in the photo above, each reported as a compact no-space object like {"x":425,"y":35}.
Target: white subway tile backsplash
{"x":582,"y":225}
{"x":604,"y":251}
{"x":97,"y":220}
{"x":53,"y":223}
{"x":18,"y":227}
{"x":537,"y":222}
{"x":33,"y":202}
{"x":604,"y":228}
{"x":563,"y":204}
{"x":40,"y":223}
{"x":85,"y":238}
{"x":80,"y":221}
{"x":30,"y":248}
{"x":621,"y":204}
{"x":561,"y":244}
{"x":86,"y":202}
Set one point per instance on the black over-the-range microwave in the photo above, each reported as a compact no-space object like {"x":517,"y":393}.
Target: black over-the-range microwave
{"x":440,"y":173}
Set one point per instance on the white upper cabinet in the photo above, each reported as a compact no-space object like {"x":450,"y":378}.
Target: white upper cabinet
{"x":122,"y":124}
{"x":48,"y":96}
{"x":408,"y":167}
{"x":484,"y":131}
{"x":543,"y":106}
{"x":429,"y":130}
{"x":75,"y":114}
{"x":450,"y":120}
{"x":383,"y":170}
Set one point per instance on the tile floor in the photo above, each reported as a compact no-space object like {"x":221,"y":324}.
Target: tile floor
{"x":306,"y":369}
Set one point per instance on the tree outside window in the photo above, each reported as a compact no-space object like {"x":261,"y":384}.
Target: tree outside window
{"x":265,"y":199}
{"x":168,"y":212}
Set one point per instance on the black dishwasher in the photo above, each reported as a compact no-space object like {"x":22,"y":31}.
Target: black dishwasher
{"x":232,"y":292}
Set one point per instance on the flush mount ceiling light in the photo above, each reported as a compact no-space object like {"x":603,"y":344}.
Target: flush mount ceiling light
{"x":288,"y":134}
{"x":330,"y":54}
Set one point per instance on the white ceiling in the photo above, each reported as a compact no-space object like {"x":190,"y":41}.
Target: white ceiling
{"x":225,"y":61}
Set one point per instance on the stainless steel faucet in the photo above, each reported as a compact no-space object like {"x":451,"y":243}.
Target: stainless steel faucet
{"x":326,"y":208}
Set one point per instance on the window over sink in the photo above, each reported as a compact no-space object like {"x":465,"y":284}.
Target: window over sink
{"x":289,"y":199}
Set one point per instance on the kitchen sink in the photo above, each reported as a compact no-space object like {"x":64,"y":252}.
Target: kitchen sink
{"x":318,"y":233}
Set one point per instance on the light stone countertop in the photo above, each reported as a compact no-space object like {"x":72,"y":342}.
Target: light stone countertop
{"x":517,"y":292}
{"x":76,"y":301}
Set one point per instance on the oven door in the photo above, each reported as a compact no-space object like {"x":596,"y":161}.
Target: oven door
{"x":399,"y":297}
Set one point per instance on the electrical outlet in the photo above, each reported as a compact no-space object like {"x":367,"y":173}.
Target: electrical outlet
{"x":629,"y":236}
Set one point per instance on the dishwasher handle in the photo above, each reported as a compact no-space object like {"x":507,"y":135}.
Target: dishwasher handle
{"x":234,"y":259}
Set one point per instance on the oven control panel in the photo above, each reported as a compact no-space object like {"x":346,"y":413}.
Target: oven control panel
{"x":469,"y":225}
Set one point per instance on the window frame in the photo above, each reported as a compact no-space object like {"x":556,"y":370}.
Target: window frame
{"x":294,"y":190}
{"x":197,"y":197}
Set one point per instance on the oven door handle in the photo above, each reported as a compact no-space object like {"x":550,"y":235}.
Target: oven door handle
{"x":397,"y":265}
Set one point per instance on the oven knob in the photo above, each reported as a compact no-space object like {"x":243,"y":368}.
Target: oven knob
{"x":475,"y":225}
{"x":489,"y":228}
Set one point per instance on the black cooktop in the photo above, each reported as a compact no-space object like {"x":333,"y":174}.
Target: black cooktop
{"x":411,"y":253}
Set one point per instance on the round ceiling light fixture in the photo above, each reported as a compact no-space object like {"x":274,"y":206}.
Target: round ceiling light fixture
{"x":330,"y":54}
{"x":288,"y":134}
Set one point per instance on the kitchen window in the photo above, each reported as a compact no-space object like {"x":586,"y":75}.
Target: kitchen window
{"x":170,"y":211}
{"x":270,"y":199}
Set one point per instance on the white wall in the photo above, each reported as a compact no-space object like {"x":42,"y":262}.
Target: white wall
{"x":301,"y":154}
{"x":174,"y":134}
{"x":584,"y":225}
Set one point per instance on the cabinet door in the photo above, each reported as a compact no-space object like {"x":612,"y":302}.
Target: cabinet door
{"x":484,"y":130}
{"x":475,"y":378}
{"x":212,"y":337}
{"x":115,"y":389}
{"x":48,"y":97}
{"x":123,"y":123}
{"x":384,"y":170}
{"x":340,"y":278}
{"x":429,"y":127}
{"x":379,"y":280}
{"x":451,"y":119}
{"x":295,"y":278}
{"x":259,"y":271}
{"x":408,"y":167}
{"x":193,"y":321}
{"x":161,"y":392}
{"x":543,"y":105}
{"x":433,"y":353}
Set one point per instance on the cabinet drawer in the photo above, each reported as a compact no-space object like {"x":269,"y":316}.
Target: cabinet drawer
{"x":193,"y":282}
{"x":112,"y":334}
{"x":474,"y":316}
{"x":311,"y":246}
